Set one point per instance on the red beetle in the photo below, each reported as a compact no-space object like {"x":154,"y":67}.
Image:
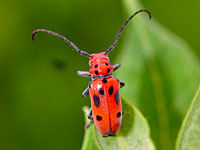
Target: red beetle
{"x":106,"y":110}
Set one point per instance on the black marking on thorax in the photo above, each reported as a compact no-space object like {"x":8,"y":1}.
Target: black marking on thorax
{"x":96,"y":72}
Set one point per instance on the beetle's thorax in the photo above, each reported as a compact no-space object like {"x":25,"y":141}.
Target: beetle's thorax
{"x":100,"y":65}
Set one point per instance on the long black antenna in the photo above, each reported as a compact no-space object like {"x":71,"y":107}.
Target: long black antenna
{"x":62,"y":37}
{"x":122,"y":27}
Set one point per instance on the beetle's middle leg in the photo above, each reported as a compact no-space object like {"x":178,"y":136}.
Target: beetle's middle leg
{"x":85,"y":92}
{"x":121,"y":84}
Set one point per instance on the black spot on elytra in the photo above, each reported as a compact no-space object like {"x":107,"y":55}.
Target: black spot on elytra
{"x":117,"y":97}
{"x":106,"y":64}
{"x":104,"y":80}
{"x":95,"y":66}
{"x":96,"y":72}
{"x":98,"y":118}
{"x":118,"y":114}
{"x":110,"y":91}
{"x":101,"y":91}
{"x":108,"y":70}
{"x":96,"y":100}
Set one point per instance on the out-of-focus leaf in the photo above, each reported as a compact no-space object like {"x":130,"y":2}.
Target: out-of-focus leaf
{"x":189,"y":134}
{"x":133,"y":135}
{"x":160,"y":72}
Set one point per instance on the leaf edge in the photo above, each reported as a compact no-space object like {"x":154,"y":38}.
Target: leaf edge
{"x":185,"y":119}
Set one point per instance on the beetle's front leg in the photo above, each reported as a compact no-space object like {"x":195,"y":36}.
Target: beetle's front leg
{"x":116,"y":66}
{"x":84,"y":74}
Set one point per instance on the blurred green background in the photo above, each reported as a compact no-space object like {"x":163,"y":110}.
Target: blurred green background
{"x":40,"y":93}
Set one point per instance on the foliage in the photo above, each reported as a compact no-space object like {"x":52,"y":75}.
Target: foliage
{"x":161,"y":75}
{"x":133,"y":135}
{"x":189,"y":134}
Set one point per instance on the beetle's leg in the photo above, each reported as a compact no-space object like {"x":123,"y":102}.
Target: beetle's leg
{"x":89,"y":124}
{"x":85,"y":92}
{"x":121,"y":84}
{"x":84,"y":74}
{"x":90,"y":113}
{"x":116,"y":66}
{"x":90,"y":117}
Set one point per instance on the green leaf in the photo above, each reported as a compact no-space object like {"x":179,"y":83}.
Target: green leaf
{"x":160,"y":72}
{"x":189,"y":135}
{"x":133,"y":135}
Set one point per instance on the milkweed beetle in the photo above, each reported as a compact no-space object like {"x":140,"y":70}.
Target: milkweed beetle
{"x":106,"y":110}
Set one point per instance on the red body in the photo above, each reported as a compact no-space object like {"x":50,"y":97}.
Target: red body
{"x":105,"y":95}
{"x":106,"y":105}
